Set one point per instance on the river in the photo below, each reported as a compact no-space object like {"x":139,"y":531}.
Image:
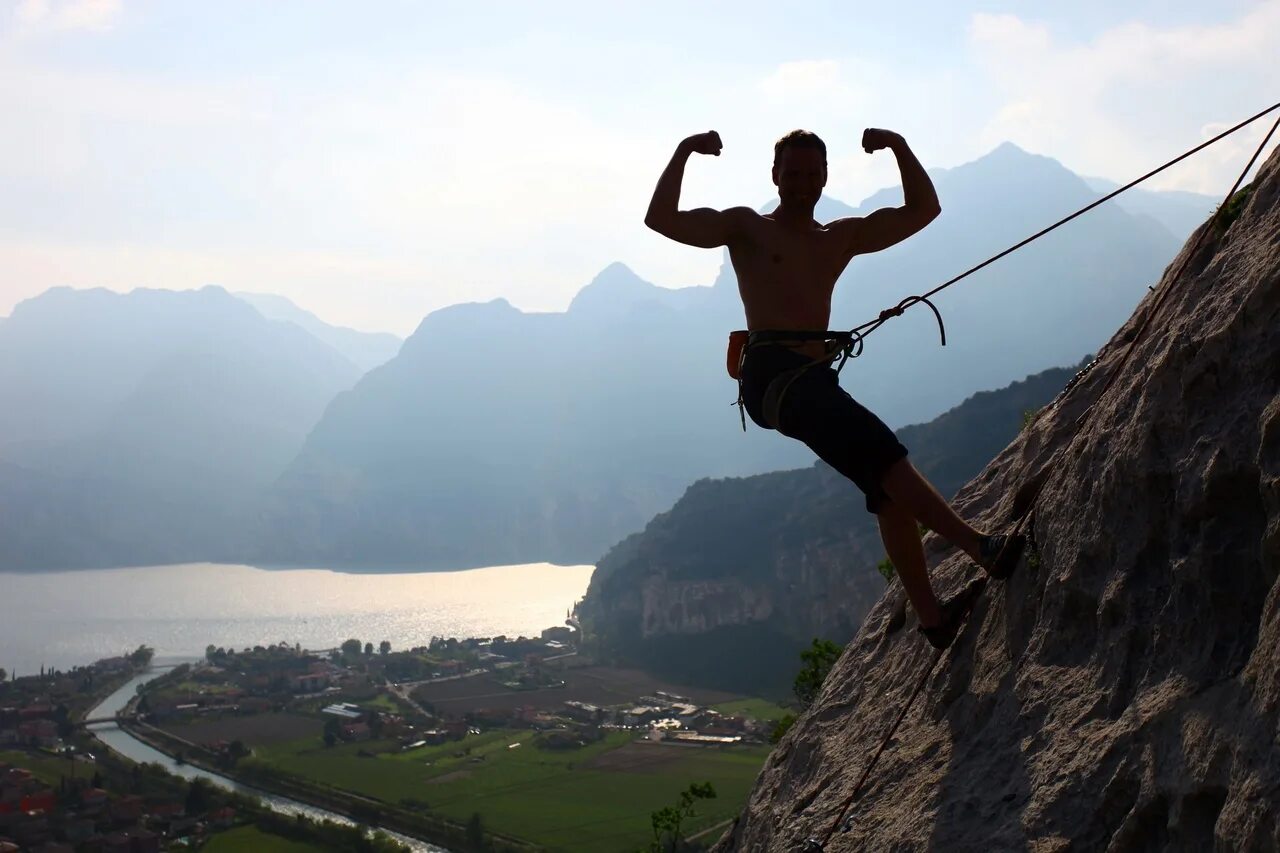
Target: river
{"x":130,"y":747}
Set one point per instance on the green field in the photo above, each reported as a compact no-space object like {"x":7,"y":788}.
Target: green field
{"x":757,"y":709}
{"x":383,"y":702}
{"x":597,"y":798}
{"x":49,"y":769}
{"x":244,"y":838}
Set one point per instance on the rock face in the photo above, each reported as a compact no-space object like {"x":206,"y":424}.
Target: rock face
{"x":1122,"y":691}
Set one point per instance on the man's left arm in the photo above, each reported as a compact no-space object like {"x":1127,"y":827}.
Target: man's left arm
{"x":890,"y":225}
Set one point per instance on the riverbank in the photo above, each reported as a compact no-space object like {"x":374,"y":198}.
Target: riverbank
{"x":124,"y":746}
{"x":354,"y":807}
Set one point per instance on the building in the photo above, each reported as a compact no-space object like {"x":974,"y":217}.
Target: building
{"x":356,"y":731}
{"x":312,"y":682}
{"x":560,"y":634}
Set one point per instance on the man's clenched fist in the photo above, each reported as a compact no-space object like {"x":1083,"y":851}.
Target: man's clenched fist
{"x":873,"y":139}
{"x":705,"y":143}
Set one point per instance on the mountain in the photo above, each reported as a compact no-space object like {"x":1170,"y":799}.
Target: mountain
{"x":1177,"y":210}
{"x":144,"y":427}
{"x":365,"y":350}
{"x":727,"y":586}
{"x":1122,"y":690}
{"x":498,"y":436}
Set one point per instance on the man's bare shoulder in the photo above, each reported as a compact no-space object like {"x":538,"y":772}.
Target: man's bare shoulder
{"x":743,"y":215}
{"x":845,"y":224}
{"x":746,"y":222}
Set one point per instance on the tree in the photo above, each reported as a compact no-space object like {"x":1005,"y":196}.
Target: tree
{"x":475,"y":832}
{"x":384,"y":647}
{"x":818,"y":660}
{"x":331,"y":730}
{"x":368,"y":649}
{"x":142,"y":655}
{"x":3,"y":674}
{"x":210,"y":652}
{"x":199,"y":797}
{"x":62,"y":717}
{"x":351,"y":648}
{"x":237,"y":750}
{"x":666,"y":822}
{"x":781,"y":727}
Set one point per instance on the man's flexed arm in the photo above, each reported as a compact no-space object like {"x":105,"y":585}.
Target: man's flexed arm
{"x":890,"y":225}
{"x":703,"y":227}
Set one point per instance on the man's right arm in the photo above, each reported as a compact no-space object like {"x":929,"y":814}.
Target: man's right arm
{"x":702,"y":227}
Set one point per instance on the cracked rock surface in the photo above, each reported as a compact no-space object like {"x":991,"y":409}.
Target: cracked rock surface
{"x":1121,"y":692}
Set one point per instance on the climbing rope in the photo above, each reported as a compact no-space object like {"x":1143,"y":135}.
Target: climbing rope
{"x":814,"y":845}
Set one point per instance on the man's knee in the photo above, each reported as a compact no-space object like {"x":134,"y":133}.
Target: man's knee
{"x":896,"y":469}
{"x":892,"y":512}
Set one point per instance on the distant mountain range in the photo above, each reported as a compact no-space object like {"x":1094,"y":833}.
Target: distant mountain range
{"x":1176,"y":210}
{"x":163,"y":426}
{"x":145,"y":427}
{"x":366,"y":350}
{"x":497,"y":436}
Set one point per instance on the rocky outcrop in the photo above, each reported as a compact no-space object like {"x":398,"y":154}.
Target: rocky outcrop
{"x":1122,"y":691}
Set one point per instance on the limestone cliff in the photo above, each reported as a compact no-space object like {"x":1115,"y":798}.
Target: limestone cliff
{"x":1122,"y":691}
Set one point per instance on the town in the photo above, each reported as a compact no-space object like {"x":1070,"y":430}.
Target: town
{"x":62,"y":791}
{"x":432,"y":694}
{"x":452,"y":715}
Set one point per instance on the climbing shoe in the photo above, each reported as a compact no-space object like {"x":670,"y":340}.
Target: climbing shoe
{"x":999,"y":554}
{"x":954,"y":611}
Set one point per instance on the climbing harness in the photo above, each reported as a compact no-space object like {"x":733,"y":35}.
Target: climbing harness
{"x":844,"y":819}
{"x":840,"y":345}
{"x":837,"y":345}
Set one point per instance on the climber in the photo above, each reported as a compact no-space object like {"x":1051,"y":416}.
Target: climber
{"x":787,"y":265}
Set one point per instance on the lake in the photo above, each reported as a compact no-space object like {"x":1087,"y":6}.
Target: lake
{"x":60,"y":619}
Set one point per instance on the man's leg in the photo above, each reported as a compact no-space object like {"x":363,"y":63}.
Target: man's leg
{"x":901,"y":540}
{"x":908,"y":488}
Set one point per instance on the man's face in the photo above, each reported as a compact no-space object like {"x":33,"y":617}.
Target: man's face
{"x":800,"y":176}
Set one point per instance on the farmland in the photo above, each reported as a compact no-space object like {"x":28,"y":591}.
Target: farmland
{"x":597,"y":685}
{"x":596,"y":798}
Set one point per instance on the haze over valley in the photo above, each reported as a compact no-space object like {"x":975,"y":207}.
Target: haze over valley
{"x":161,"y":427}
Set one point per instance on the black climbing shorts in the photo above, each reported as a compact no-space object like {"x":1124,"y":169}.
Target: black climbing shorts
{"x":817,"y":411}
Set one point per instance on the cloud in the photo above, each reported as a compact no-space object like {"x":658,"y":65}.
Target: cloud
{"x":807,"y":78}
{"x":849,"y":84}
{"x":478,"y":185}
{"x":1134,"y":95}
{"x":36,"y":16}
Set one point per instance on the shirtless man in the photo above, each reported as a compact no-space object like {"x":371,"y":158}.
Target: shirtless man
{"x":787,"y":265}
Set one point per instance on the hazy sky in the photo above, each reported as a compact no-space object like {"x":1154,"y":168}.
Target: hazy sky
{"x":376,"y":161}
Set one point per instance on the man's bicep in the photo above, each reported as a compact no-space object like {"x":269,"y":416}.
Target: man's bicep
{"x":704,"y":227}
{"x":880,"y":230}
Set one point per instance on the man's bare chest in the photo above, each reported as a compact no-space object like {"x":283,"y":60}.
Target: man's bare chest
{"x":809,"y":258}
